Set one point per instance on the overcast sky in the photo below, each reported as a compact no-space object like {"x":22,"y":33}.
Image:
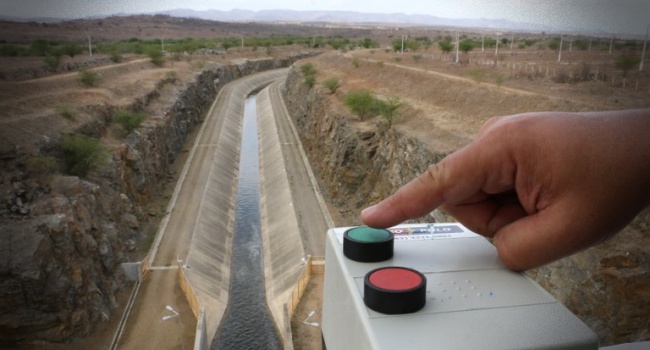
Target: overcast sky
{"x":616,"y":16}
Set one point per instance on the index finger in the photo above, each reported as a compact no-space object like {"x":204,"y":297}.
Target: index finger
{"x":457,"y":177}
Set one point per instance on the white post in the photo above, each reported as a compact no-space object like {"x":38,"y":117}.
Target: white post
{"x":559,"y":56}
{"x":162,"y":44}
{"x":402,"y":44}
{"x":242,"y":42}
{"x":496,"y":51}
{"x":645,"y":43}
{"x":482,"y":42}
{"x":512,"y":40}
{"x":457,"y":46}
{"x":90,"y":47}
{"x":611,"y":43}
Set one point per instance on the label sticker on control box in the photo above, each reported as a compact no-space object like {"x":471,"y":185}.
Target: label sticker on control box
{"x":421,"y":232}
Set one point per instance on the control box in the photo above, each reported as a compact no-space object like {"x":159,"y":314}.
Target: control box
{"x":472,"y":300}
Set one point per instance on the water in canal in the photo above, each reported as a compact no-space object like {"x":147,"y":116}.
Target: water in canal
{"x":247,"y":323}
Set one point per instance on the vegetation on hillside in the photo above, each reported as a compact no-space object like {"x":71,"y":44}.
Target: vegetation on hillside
{"x":82,"y":154}
{"x":129,"y":120}
{"x":366,"y":105}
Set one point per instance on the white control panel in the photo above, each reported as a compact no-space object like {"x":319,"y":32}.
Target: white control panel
{"x":472,"y":300}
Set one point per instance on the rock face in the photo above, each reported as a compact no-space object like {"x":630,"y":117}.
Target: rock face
{"x":607,"y":286}
{"x":62,"y":238}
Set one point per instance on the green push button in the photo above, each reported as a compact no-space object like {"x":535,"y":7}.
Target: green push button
{"x":367,"y":244}
{"x":369,"y":234}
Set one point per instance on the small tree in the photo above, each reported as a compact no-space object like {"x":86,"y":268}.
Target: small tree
{"x":445,"y":46}
{"x":332,"y":84}
{"x":129,"y":120}
{"x":466,"y":45}
{"x":82,"y":154}
{"x":388,"y":109}
{"x":368,"y":43}
{"x":625,"y":63}
{"x":71,"y":50}
{"x":40,"y":47}
{"x":361,"y":102}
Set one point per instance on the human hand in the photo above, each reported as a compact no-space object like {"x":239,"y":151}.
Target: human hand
{"x":542,"y":185}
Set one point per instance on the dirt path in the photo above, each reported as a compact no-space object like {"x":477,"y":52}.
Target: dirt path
{"x":461,"y":79}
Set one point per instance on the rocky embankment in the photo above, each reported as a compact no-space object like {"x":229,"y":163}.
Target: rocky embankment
{"x":357,"y":163}
{"x":63,"y":238}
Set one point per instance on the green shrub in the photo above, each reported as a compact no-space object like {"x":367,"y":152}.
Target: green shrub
{"x":309,"y":73}
{"x":71,"y":50}
{"x":67,"y":112}
{"x":8,"y":50}
{"x":82,"y":154}
{"x":332,"y":84}
{"x":445,"y":46}
{"x":156,"y":56}
{"x":116,"y":56}
{"x":129,"y":120}
{"x":308,"y":69}
{"x":310,"y":81}
{"x":626,"y":62}
{"x":466,"y":45}
{"x":361,"y":102}
{"x":355,"y":62}
{"x":53,"y":62}
{"x":89,"y":78}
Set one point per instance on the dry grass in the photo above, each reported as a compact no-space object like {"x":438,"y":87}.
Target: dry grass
{"x":445,"y":102}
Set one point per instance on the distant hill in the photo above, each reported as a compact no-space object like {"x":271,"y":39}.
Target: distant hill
{"x":348,"y":17}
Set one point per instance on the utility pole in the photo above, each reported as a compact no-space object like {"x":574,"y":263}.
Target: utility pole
{"x":162,"y":45}
{"x":611,"y":43}
{"x":402,"y":44}
{"x":483,"y":42}
{"x":645,"y":43}
{"x":571,"y":44}
{"x":512,"y":40}
{"x":242,"y":41}
{"x":90,"y":47}
{"x":496,"y":51}
{"x":559,"y":56}
{"x":457,"y":46}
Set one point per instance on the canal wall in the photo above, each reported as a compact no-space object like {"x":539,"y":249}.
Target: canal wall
{"x":282,"y":244}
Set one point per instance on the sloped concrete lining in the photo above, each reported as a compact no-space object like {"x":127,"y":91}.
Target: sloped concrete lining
{"x":282,"y":244}
{"x":207,"y":265}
